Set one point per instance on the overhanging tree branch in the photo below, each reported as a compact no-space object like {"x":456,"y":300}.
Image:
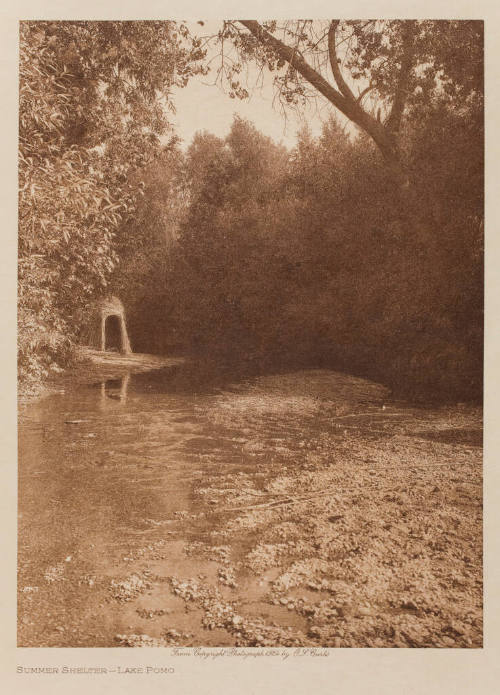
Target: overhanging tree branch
{"x":295,"y":60}
{"x":393,"y":123}
{"x":343,"y":100}
{"x":334,"y":62}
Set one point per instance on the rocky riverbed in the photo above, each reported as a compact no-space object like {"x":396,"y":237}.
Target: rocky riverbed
{"x":301,"y":509}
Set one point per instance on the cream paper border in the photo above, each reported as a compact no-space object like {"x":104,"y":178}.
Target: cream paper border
{"x":350,"y":671}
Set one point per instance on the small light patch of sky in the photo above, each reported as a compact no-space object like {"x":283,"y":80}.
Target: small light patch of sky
{"x":203,"y":105}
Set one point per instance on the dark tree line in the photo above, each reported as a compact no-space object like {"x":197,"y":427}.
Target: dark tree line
{"x":300,"y":258}
{"x":355,"y":251}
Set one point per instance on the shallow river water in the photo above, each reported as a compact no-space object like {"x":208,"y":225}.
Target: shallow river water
{"x":118,"y":480}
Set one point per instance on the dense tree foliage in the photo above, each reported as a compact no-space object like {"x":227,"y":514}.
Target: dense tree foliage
{"x":143,"y":246}
{"x":93,"y":99}
{"x":238,"y":249}
{"x":370,"y":263}
{"x":393,"y":69}
{"x":302,"y":259}
{"x":219,"y":286}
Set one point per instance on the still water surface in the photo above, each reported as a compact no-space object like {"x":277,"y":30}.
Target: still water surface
{"x":105,"y":468}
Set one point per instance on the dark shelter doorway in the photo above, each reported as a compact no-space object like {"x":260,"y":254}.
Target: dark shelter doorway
{"x":113,"y":334}
{"x":106,"y":327}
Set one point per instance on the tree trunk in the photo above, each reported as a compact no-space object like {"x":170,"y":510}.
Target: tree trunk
{"x":385,"y":135}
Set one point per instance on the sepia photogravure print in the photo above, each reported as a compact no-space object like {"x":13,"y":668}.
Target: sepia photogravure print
{"x":250,"y":333}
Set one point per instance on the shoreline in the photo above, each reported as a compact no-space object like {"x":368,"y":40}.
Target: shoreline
{"x":91,"y":365}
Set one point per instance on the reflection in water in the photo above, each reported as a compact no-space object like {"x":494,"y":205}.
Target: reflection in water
{"x":125,"y":486}
{"x":94,"y":493}
{"x":143,"y":441}
{"x":115,"y":389}
{"x":94,"y":463}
